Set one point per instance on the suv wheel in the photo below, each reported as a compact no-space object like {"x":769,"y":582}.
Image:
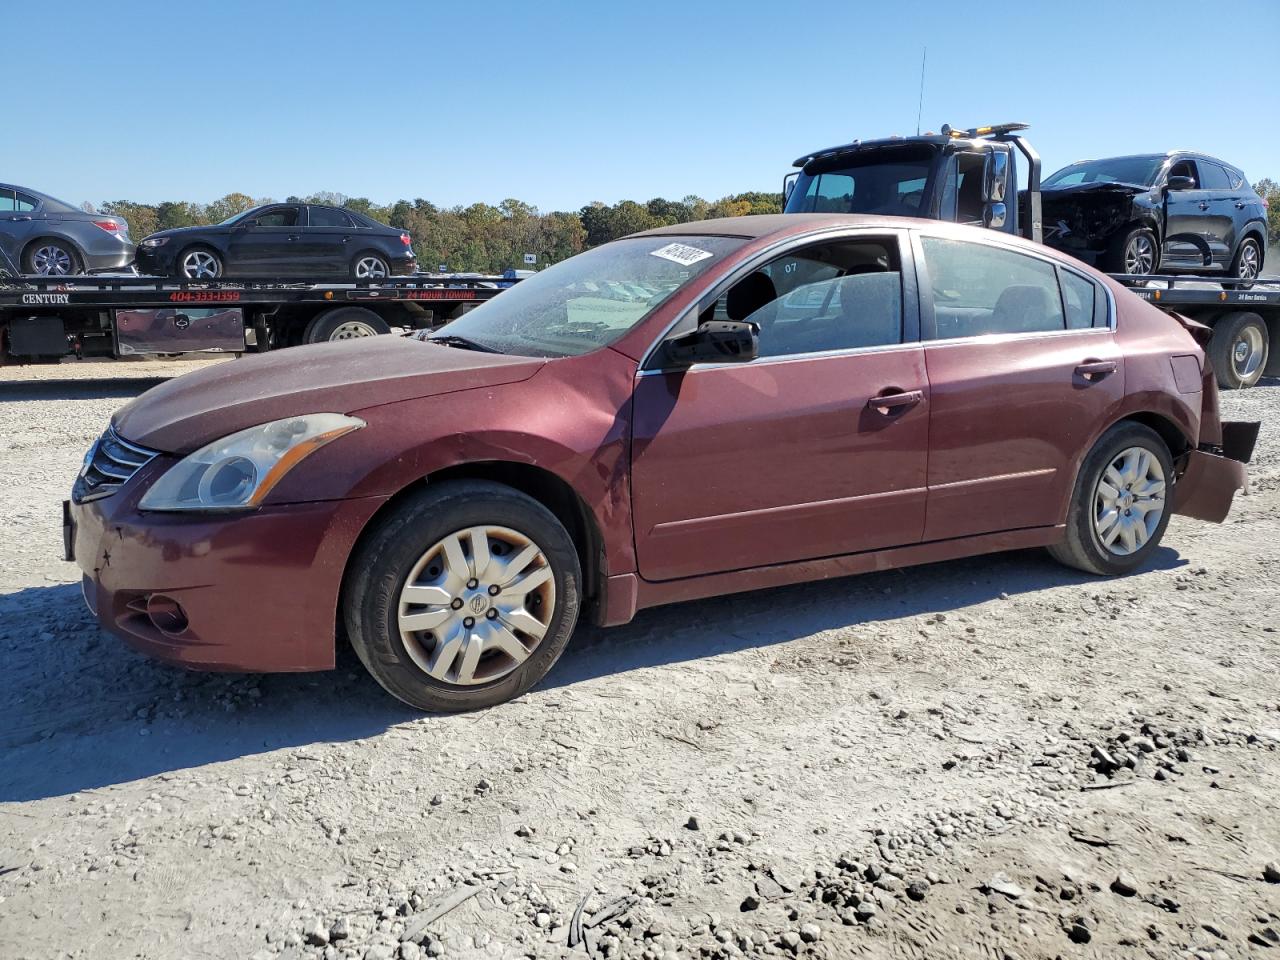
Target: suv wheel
{"x":1248,"y":260}
{"x":1134,"y":253}
{"x":464,"y":596}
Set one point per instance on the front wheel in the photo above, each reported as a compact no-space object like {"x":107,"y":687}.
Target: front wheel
{"x":463,"y":597}
{"x":199,"y":263}
{"x":1120,"y":506}
{"x":1134,"y":253}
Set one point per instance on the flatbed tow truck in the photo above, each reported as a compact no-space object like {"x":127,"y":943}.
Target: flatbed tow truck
{"x":971,"y":176}
{"x":44,"y":319}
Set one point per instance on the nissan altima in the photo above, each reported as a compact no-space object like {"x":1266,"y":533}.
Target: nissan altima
{"x":691,"y":411}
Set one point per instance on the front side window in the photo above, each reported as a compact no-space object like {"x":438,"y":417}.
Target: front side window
{"x":279,"y":217}
{"x":980,"y":289}
{"x":1186,"y":168}
{"x":588,"y":301}
{"x":329,"y":217}
{"x":832,"y":296}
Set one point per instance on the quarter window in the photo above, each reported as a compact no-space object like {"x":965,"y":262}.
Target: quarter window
{"x":836,"y":296}
{"x":980,"y":289}
{"x":1081,"y":298}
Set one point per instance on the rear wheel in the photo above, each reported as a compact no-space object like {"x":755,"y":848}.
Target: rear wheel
{"x":1134,"y":252}
{"x":199,"y":263}
{"x":1120,"y":505}
{"x":463,"y":597}
{"x":1238,"y":349}
{"x":1248,"y":260}
{"x":345,"y":323}
{"x":49,"y":257}
{"x":370,"y":266}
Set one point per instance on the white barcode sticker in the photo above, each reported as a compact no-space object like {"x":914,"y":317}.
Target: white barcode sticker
{"x":681,"y":253}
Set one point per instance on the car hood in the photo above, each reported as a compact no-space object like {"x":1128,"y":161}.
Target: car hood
{"x":188,"y":412}
{"x":187,"y":231}
{"x":1117,"y":188}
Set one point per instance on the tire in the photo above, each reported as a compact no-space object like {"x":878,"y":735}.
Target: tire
{"x":1083,"y":546}
{"x":370,"y":266}
{"x":407,"y":546}
{"x":51,"y":257}
{"x":344,"y":323}
{"x":1125,"y":254}
{"x":1239,"y":349}
{"x":198,"y":263}
{"x":1247,"y":263}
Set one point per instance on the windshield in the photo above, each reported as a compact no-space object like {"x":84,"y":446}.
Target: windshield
{"x":238,"y":216}
{"x":888,"y":182}
{"x":1139,"y":170}
{"x":588,"y":301}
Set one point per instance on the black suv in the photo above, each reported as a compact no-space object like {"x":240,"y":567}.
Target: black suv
{"x":1176,"y":212}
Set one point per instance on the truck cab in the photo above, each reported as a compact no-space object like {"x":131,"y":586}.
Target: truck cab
{"x":963,"y":176}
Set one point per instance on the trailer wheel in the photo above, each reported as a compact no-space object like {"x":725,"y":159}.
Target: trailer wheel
{"x":1238,"y":349}
{"x":344,"y":323}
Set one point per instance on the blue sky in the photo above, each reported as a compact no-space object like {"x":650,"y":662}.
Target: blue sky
{"x":560,"y":103}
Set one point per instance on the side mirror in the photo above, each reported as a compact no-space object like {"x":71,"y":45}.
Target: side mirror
{"x":788,"y":185}
{"x":1181,"y":183}
{"x":715,"y":341}
{"x":996,"y":177}
{"x":993,"y":215}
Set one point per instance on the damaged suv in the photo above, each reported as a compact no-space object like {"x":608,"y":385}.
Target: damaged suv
{"x":1171,"y":212}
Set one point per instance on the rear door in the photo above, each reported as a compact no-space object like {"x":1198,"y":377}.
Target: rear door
{"x":1023,"y":371}
{"x":1189,"y":215}
{"x":270,"y":245}
{"x":790,"y":457}
{"x":1220,"y":220}
{"x":17,"y":222}
{"x":327,"y":243}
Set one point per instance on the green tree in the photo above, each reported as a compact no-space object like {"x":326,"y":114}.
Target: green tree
{"x":141,"y":217}
{"x":1269,"y":191}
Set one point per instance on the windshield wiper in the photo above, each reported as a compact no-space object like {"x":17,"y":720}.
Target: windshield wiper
{"x":462,"y":343}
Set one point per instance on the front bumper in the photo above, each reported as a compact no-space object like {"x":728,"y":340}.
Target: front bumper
{"x":155,"y":261}
{"x":254,"y":592}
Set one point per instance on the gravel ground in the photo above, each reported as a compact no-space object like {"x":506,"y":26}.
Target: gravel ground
{"x":989,"y":758}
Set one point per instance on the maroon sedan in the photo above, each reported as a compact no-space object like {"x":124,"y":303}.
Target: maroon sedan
{"x":696,"y":410}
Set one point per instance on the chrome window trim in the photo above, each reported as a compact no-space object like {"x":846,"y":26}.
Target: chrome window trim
{"x":788,"y":358}
{"x":901,"y":234}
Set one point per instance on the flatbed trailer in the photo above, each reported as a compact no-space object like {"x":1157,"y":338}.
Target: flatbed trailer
{"x":43,"y":319}
{"x":1244,"y":316}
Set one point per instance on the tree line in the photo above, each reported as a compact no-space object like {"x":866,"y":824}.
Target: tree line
{"x":480,"y":237}
{"x":489,"y":239}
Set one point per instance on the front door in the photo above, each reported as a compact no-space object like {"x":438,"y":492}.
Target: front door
{"x":1023,"y":369}
{"x":790,"y":457}
{"x":267,"y":246}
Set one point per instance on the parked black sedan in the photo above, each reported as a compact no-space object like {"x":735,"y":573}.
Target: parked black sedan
{"x":1170,"y":212}
{"x":281,"y":240}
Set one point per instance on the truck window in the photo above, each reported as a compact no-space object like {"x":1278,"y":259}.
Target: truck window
{"x":890,"y":182}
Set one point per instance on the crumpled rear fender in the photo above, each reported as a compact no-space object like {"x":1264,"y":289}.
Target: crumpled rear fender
{"x":1215,"y":470}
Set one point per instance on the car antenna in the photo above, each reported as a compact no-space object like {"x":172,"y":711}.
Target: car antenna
{"x":924,"y":56}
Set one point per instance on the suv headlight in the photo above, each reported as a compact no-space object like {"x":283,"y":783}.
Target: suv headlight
{"x":154,"y":242}
{"x":238,"y":471}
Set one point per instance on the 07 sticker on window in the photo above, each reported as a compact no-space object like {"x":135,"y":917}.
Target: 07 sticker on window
{"x":681,"y":253}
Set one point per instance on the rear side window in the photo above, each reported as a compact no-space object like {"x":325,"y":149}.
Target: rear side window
{"x":980,"y":289}
{"x":329,"y":217}
{"x":1213,"y":177}
{"x":1080,"y":297}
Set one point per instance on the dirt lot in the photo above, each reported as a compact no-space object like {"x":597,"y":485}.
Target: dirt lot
{"x":993,"y":758}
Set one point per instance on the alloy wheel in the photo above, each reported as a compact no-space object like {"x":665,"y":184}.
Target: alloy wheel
{"x":371,"y":268}
{"x":1139,"y":255}
{"x":200,"y":265}
{"x":476,"y":605}
{"x":51,"y":261}
{"x":1248,"y":267}
{"x":1129,"y":501}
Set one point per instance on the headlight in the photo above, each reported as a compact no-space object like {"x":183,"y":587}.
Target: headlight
{"x":155,"y":241}
{"x":237,"y":472}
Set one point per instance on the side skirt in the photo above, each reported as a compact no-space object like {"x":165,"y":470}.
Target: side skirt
{"x":628,"y":593}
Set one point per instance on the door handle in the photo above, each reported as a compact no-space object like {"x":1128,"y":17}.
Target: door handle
{"x":346,"y":239}
{"x":294,"y":236}
{"x":1095,"y":370}
{"x":1204,"y":205}
{"x":24,"y":219}
{"x":1239,"y":205}
{"x":887,"y":404}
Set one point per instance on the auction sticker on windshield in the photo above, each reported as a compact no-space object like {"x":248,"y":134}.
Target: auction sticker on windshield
{"x":680,"y":253}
